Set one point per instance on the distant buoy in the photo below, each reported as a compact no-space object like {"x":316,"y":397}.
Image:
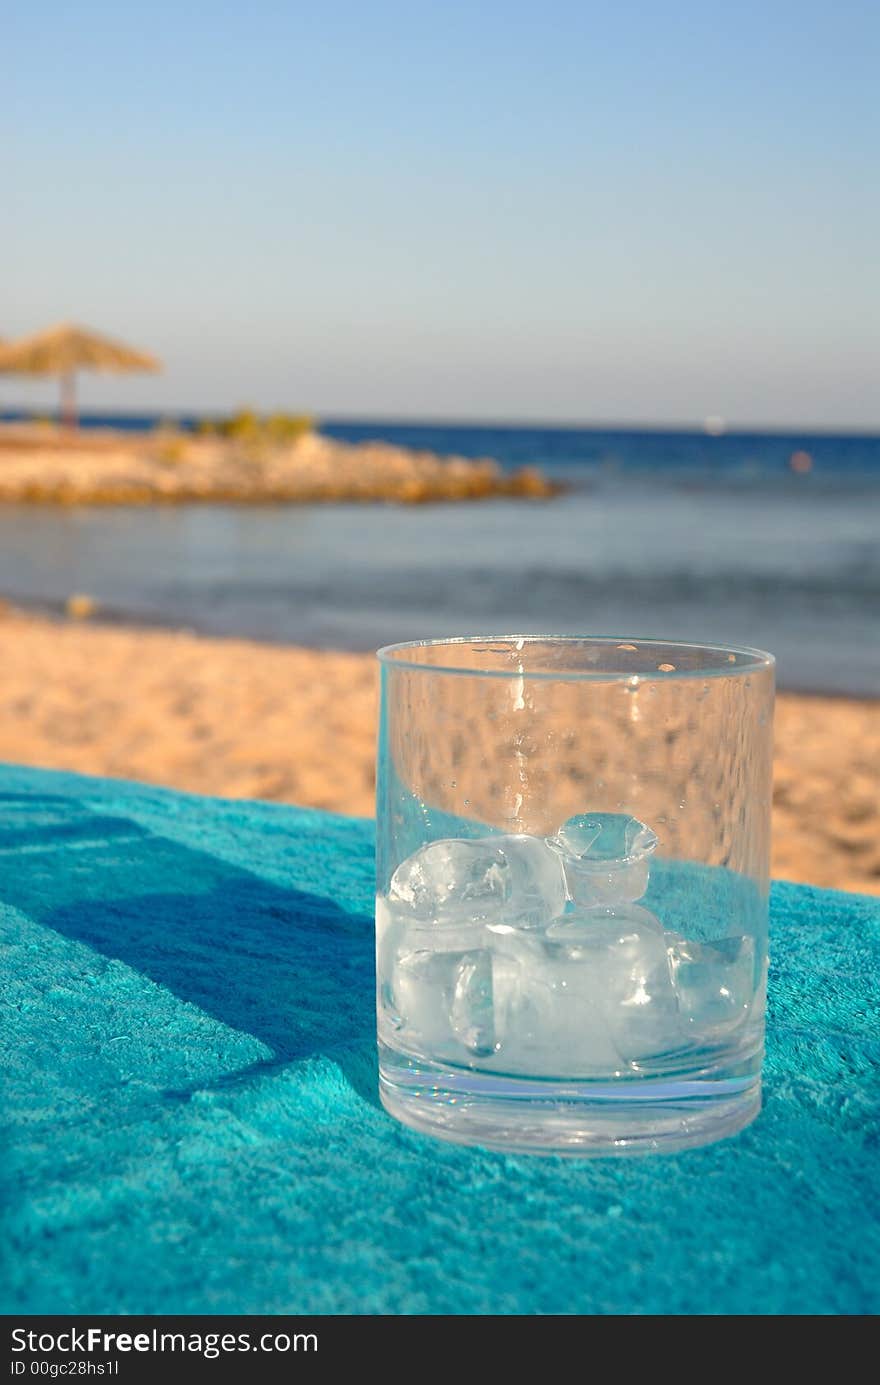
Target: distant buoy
{"x":714,"y":425}
{"x":79,"y":606}
{"x":800,"y":462}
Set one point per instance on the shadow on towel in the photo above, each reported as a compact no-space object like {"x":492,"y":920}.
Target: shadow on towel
{"x":291,"y":968}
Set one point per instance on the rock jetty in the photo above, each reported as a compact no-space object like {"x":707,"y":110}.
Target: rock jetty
{"x":41,"y":465}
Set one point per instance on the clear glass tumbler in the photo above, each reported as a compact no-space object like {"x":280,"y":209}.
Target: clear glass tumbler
{"x":571,"y":913}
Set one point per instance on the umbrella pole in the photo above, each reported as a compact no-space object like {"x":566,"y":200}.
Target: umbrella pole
{"x":68,"y":399}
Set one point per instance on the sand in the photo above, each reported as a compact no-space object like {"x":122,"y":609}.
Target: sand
{"x":239,"y":719}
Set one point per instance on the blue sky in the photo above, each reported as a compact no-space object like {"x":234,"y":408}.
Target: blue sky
{"x":574,"y":211}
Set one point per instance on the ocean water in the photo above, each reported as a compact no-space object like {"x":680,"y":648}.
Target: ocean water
{"x":669,"y":534}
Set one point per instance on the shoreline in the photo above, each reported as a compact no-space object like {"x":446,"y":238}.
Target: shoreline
{"x":81,"y":607}
{"x":243,"y":719}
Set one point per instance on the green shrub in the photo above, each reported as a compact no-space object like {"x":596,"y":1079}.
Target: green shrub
{"x":243,"y":425}
{"x":257,"y":432}
{"x":288,"y":427}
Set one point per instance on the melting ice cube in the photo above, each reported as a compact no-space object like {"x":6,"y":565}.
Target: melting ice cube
{"x":605,"y":857}
{"x":486,"y":987}
{"x":514,"y":881}
{"x":560,"y":1028}
{"x":621,"y":949}
{"x":714,"y":983}
{"x":443,"y":992}
{"x":415,"y":996}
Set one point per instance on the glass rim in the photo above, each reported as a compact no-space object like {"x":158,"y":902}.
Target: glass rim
{"x":756,"y":660}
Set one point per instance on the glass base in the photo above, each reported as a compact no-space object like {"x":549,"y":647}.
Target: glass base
{"x":554,"y":1116}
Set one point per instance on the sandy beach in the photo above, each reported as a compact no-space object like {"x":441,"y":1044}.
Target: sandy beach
{"x":238,"y":719}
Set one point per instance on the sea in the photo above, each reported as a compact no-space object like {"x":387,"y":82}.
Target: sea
{"x":765,"y":539}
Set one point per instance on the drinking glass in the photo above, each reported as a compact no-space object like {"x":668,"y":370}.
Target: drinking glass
{"x":572,"y":882}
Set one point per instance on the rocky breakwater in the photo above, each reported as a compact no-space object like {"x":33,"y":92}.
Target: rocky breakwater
{"x":42,"y":466}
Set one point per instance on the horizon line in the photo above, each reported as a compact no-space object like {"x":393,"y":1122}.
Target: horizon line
{"x":510,"y":423}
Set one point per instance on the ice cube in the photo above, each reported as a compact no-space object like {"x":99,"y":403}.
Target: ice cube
{"x":441,"y":990}
{"x":592,"y":996}
{"x":560,"y":1029}
{"x":416,"y":977}
{"x":714,"y":984}
{"x":486,"y":987}
{"x":601,"y":924}
{"x":623,"y":949}
{"x":605,"y":857}
{"x":613,"y":837}
{"x":422,"y":989}
{"x":514,"y":881}
{"x":415,"y":971}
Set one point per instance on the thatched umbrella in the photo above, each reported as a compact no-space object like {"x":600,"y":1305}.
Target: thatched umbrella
{"x":65,"y":349}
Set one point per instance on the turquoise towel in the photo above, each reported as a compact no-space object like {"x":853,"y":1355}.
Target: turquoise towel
{"x":191,"y":1111}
